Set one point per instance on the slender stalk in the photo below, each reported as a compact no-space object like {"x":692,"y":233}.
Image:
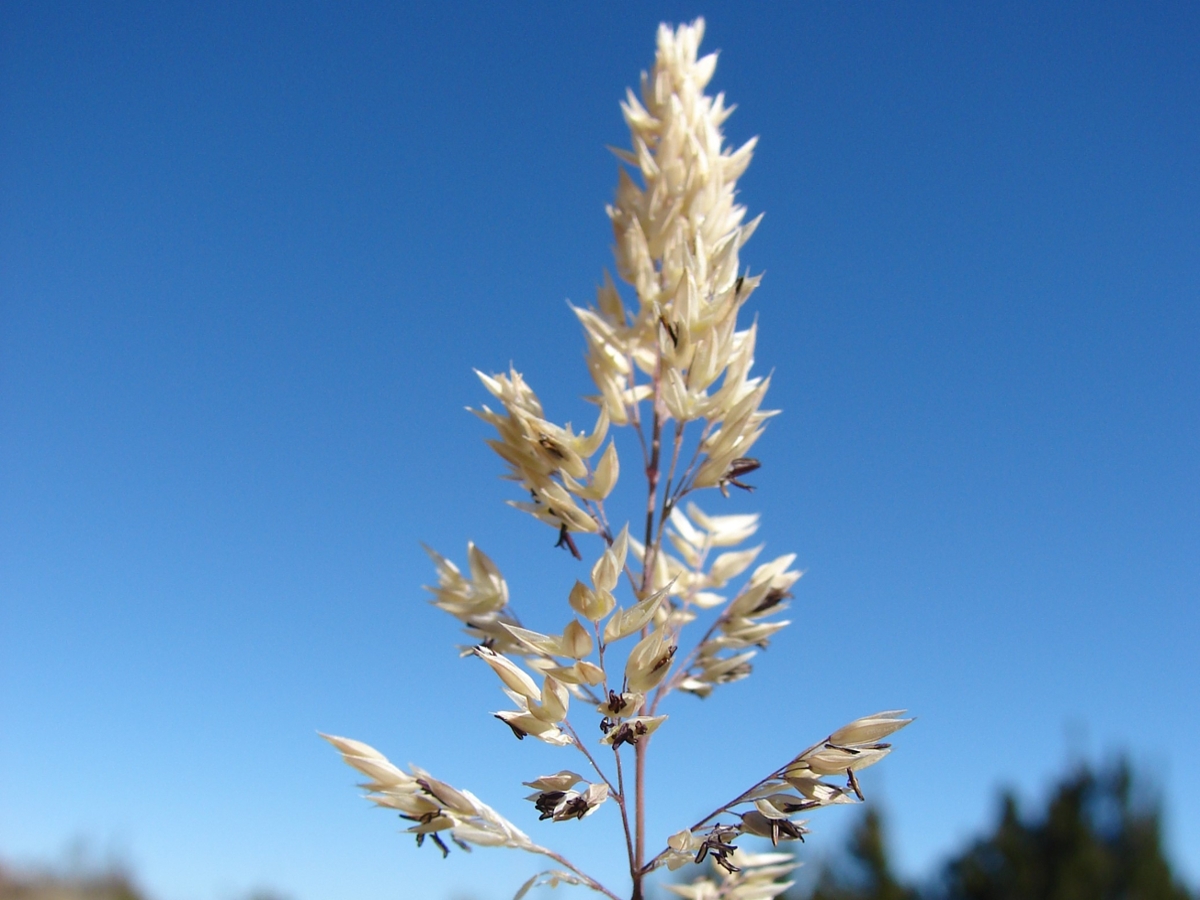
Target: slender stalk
{"x":652,"y":493}
{"x":651,"y":545}
{"x":595,"y":508}
{"x":634,"y":867}
{"x":566,"y":863}
{"x":639,"y":791}
{"x":668,"y":499}
{"x":600,"y":648}
{"x":635,"y":411}
{"x":681,"y":487}
{"x":619,"y":796}
{"x":681,"y":670}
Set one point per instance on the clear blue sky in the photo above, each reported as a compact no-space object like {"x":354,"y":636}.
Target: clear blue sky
{"x":250,"y":253}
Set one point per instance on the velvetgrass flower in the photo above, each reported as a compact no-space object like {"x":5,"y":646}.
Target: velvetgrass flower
{"x":668,"y":361}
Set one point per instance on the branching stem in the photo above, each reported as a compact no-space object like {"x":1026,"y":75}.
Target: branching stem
{"x":633,"y":864}
{"x":616,"y":795}
{"x":648,"y":562}
{"x":740,"y":798}
{"x":681,"y":670}
{"x":585,"y":878}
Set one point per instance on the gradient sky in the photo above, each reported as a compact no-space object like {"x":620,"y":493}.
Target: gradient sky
{"x":250,"y":254}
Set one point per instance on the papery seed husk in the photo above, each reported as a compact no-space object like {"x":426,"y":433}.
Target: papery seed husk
{"x":870,"y":729}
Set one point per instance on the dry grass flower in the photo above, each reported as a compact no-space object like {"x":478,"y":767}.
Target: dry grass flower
{"x":674,"y":364}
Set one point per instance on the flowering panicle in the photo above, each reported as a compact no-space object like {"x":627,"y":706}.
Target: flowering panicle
{"x":673,"y":356}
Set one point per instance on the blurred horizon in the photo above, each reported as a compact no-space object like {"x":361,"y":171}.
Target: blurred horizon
{"x":251,"y":253}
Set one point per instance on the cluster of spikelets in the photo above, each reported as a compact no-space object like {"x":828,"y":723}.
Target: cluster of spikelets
{"x":673,"y":358}
{"x":747,"y":876}
{"x":677,"y":239}
{"x":766,"y":810}
{"x":681,"y":586}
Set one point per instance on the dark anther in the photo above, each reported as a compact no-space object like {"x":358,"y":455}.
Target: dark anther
{"x":424,"y":818}
{"x":421,"y":835}
{"x":671,"y":330}
{"x":737,"y":286}
{"x":575,"y":808}
{"x":616,"y":703}
{"x":628,"y":733}
{"x":427,"y":788}
{"x":515,"y":730}
{"x":774,"y":597}
{"x":793,"y":806}
{"x":724,"y":863}
{"x":548,"y":444}
{"x":607,"y":724}
{"x":665,"y":659}
{"x":743,"y":465}
{"x":546,"y":802}
{"x":854,"y":784}
{"x":785,"y":830}
{"x":853,"y":751}
{"x":460,"y":842}
{"x":565,"y":540}
{"x":719,"y":844}
{"x":441,"y":844}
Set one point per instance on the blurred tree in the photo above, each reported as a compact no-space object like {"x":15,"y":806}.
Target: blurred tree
{"x":1096,"y":839}
{"x":866,"y":872}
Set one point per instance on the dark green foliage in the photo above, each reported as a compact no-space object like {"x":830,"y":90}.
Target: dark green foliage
{"x":867,"y":873}
{"x":1095,"y":840}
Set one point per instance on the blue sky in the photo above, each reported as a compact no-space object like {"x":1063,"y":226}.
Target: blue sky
{"x":250,"y":254}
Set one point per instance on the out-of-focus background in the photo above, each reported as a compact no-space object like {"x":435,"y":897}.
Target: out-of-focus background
{"x":250,"y":253}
